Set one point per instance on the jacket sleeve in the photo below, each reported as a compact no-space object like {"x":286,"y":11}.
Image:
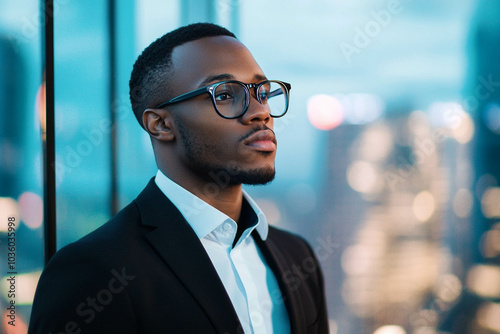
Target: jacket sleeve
{"x":78,"y":293}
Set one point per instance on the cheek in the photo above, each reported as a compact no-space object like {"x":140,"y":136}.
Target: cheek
{"x":209,"y":134}
{"x":213,"y":129}
{"x":208,"y":141}
{"x":212,"y":135}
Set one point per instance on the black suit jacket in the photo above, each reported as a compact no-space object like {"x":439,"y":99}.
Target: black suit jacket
{"x":145,"y":271}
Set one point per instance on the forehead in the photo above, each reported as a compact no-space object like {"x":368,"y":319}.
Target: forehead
{"x":195,"y":61}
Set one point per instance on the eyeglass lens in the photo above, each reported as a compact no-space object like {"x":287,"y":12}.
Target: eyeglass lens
{"x":231,"y":98}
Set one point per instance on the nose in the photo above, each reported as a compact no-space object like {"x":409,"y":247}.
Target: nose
{"x":256,"y":112}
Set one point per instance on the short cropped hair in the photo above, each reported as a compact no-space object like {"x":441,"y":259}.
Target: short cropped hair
{"x":151,"y":73}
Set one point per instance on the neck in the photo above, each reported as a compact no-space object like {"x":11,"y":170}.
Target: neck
{"x":225,"y":198}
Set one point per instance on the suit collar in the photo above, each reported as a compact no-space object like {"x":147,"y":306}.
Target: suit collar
{"x":181,"y":250}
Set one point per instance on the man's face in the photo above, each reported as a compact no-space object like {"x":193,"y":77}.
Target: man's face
{"x":242,"y":149}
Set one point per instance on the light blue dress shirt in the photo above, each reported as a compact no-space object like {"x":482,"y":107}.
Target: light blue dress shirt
{"x":249,"y":282}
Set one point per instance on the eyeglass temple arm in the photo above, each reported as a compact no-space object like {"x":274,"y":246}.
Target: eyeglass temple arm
{"x":183,"y":97}
{"x":278,"y":92}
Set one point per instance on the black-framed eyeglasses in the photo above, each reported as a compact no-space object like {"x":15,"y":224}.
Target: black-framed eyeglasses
{"x":231,"y":98}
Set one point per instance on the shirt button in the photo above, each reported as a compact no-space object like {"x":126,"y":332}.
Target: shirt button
{"x":227,"y":227}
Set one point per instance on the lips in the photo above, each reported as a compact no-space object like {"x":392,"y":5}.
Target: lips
{"x":263,"y":140}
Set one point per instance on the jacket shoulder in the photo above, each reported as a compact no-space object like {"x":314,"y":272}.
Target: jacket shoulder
{"x":290,"y":242}
{"x":83,"y":273}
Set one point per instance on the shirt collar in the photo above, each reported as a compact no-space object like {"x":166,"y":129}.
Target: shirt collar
{"x":201,"y":216}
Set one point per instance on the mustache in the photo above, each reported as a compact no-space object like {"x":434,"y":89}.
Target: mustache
{"x":257,"y":129}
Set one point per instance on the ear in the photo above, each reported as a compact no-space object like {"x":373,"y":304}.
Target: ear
{"x":158,"y":123}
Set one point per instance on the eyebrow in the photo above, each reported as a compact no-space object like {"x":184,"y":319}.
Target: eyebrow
{"x":215,"y":78}
{"x":227,"y":76}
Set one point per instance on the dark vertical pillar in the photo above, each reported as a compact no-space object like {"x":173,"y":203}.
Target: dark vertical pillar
{"x":112,"y":109}
{"x":48,"y":134}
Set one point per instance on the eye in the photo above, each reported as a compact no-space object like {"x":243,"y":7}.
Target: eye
{"x":263,"y":95}
{"x":223,"y":96}
{"x":263,"y":92}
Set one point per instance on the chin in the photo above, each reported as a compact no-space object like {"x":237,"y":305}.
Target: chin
{"x":257,"y":176}
{"x":257,"y":179}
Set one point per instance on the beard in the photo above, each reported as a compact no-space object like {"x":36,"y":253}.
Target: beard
{"x":235,"y":175}
{"x":198,"y":153}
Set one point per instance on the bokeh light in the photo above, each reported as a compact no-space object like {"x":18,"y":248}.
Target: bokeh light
{"x":21,"y":326}
{"x":390,"y":329}
{"x":363,"y":177}
{"x":25,"y":287}
{"x":356,"y":260}
{"x":324,"y":112}
{"x":425,"y":330}
{"x":333,"y":326}
{"x":490,"y":202}
{"x":418,"y":122}
{"x":483,"y":280}
{"x":362,"y":108}
{"x":359,"y":295}
{"x":446,"y":114}
{"x":464,"y":131}
{"x":488,"y":316}
{"x":31,"y":209}
{"x":40,"y":106}
{"x":376,"y":143}
{"x":424,"y":206}
{"x":8,"y":208}
{"x":448,"y":289}
{"x":452,"y":116}
{"x":490,"y":242}
{"x":424,"y":321}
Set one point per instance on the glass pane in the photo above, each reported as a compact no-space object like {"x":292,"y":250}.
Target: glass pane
{"x":21,"y":204}
{"x":82,"y":102}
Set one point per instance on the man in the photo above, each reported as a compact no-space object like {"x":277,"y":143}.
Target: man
{"x":193,"y":253}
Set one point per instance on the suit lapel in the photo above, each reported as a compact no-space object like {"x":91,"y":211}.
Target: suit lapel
{"x":179,"y":247}
{"x":278,"y":264}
